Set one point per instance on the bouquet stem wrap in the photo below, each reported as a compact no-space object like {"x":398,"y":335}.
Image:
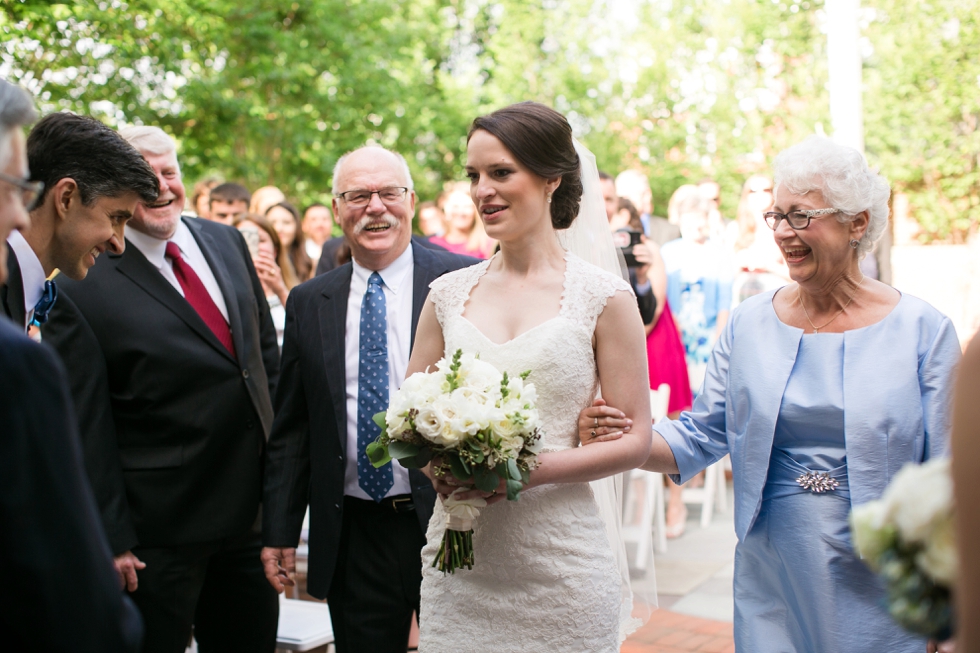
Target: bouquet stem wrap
{"x":456,"y":549}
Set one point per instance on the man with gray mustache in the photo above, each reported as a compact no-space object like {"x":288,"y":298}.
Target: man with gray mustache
{"x":346,"y":346}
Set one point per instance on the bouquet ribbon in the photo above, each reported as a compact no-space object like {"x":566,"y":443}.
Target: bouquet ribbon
{"x":460,"y":514}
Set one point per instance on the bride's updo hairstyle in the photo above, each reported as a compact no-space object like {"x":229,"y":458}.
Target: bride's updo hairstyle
{"x":541,"y":139}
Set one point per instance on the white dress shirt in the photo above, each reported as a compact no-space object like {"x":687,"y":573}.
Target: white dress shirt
{"x":398,"y":284}
{"x":155,"y":249}
{"x":31,"y":272}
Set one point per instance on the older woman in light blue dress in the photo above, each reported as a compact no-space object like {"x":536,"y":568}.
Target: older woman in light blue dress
{"x":830,"y":383}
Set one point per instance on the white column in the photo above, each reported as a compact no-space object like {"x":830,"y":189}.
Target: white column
{"x":844,"y":62}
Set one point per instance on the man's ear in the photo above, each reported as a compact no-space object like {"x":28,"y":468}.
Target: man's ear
{"x":65,"y":193}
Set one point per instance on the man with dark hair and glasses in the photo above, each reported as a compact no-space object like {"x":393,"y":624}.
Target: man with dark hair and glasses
{"x":51,"y":537}
{"x":85,"y":184}
{"x":367,"y":526}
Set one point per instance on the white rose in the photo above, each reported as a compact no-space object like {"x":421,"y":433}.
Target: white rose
{"x":870,"y":530}
{"x":478,"y":374}
{"x":939,"y":557}
{"x":917,"y":496}
{"x":430,"y":423}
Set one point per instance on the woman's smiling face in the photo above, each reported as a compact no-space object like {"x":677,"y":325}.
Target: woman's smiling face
{"x":820,"y":252}
{"x":510,"y":199}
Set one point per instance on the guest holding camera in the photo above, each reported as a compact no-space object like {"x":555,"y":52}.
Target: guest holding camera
{"x":271,"y":264}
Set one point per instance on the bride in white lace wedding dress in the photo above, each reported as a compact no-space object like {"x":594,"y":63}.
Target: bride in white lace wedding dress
{"x":545,"y":576}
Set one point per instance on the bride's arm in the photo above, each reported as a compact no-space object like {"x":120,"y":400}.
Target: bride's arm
{"x":429,"y":343}
{"x":622,"y":362}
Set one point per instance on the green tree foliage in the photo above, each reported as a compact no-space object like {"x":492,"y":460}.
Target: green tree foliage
{"x":266,"y":91}
{"x":922,"y":107}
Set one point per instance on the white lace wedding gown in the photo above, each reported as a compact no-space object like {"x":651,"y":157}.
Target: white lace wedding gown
{"x":545,"y":577}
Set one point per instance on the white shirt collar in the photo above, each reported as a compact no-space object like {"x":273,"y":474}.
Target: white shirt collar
{"x":155,"y":249}
{"x":31,"y":270}
{"x":392,"y":276}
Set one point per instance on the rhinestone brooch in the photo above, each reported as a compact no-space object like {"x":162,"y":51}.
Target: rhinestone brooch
{"x":818,"y":482}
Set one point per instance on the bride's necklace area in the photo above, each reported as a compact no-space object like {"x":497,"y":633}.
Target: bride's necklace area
{"x":816,"y":329}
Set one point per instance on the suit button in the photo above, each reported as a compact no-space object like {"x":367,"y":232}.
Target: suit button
{"x":340,"y":458}
{"x":245,"y":374}
{"x":337,"y":506}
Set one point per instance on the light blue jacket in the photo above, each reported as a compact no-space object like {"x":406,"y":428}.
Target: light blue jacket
{"x":897,"y":388}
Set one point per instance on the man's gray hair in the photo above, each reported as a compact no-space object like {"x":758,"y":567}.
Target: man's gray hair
{"x":844,"y":178}
{"x":340,"y":164}
{"x":16,"y":110}
{"x":149,"y":140}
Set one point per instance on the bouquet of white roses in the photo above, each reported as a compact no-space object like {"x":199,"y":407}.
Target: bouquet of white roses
{"x":477,"y":423}
{"x":908,"y":537}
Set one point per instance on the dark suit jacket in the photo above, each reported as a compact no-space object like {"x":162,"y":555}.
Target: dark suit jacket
{"x":173,"y":428}
{"x":331,"y":249}
{"x":12,"y":292}
{"x":62,"y":592}
{"x":307,"y":448}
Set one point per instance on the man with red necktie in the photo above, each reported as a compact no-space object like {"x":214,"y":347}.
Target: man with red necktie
{"x":173,"y":360}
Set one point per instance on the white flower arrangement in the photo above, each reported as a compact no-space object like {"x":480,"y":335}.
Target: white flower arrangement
{"x":908,"y":538}
{"x":477,"y":423}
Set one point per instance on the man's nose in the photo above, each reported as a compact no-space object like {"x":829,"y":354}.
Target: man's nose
{"x":375,"y":205}
{"x":117,"y":242}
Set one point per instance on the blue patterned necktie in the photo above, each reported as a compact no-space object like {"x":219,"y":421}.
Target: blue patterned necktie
{"x":372,"y":387}
{"x":43,"y":306}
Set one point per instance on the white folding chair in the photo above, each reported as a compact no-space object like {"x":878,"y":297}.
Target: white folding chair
{"x":303,"y":625}
{"x":713,"y":496}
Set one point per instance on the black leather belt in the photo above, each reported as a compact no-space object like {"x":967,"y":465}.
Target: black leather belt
{"x":399,"y":503}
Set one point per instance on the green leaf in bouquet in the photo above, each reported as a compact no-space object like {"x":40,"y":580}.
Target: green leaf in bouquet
{"x":377,"y":453}
{"x":513,"y":472}
{"x":458,"y":467}
{"x":418,"y":461}
{"x":398,"y":449}
{"x":525,"y":477}
{"x":476,"y":453}
{"x":486,"y":479}
{"x":379,"y":419}
{"x":513,"y":489}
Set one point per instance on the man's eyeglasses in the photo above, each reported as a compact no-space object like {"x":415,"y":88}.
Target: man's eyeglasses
{"x":359,"y":198}
{"x":797,"y":219}
{"x":29,"y":190}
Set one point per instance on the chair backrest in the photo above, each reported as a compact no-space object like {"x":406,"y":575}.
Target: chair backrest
{"x":659,"y":401}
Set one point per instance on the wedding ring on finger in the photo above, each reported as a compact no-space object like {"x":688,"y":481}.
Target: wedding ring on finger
{"x":595,"y":426}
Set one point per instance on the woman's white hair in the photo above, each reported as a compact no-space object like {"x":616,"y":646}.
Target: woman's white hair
{"x":149,"y":140}
{"x":844,"y":178}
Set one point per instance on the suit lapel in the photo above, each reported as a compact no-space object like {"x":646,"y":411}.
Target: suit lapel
{"x":12,"y":293}
{"x":428,"y":268}
{"x":220,"y":270}
{"x":333,"y":327}
{"x":134,"y":265}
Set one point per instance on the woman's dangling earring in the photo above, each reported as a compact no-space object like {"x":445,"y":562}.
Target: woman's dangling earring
{"x":549,"y":198}
{"x":854,"y":242}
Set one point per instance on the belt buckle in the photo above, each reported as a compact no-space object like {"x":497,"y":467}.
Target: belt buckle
{"x":817,"y":482}
{"x":395,"y":501}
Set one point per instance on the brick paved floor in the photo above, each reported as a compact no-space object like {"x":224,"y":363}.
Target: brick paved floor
{"x":670,"y":632}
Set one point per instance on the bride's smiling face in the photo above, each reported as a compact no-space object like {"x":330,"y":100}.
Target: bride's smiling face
{"x":510,"y":199}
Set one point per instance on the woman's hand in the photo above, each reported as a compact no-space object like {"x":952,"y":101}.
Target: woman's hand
{"x":271,"y":276}
{"x":602,"y":423}
{"x":445,"y":484}
{"x":949,"y":646}
{"x":492,"y":497}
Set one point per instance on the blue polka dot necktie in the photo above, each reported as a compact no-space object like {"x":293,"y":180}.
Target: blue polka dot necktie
{"x":372,"y":387}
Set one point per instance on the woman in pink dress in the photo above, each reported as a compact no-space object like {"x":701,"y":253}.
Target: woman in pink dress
{"x":464,"y":233}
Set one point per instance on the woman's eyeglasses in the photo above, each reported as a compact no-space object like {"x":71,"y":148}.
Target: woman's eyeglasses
{"x":796,"y":219}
